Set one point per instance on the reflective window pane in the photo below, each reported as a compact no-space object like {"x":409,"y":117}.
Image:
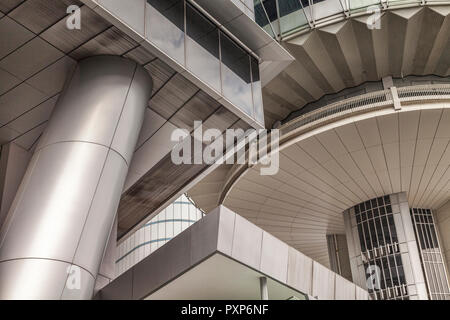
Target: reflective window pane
{"x":324,"y":9}
{"x":271,"y":9}
{"x":202,"y":48}
{"x":293,"y":20}
{"x":357,"y":4}
{"x":261,"y":18}
{"x":236,"y":82}
{"x":288,"y":6}
{"x":257,"y":94}
{"x":165,"y":26}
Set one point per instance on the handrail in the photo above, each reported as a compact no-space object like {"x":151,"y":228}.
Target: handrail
{"x":364,"y":103}
{"x":372,"y":101}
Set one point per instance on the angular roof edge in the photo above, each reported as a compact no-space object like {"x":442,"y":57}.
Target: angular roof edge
{"x":224,"y":232}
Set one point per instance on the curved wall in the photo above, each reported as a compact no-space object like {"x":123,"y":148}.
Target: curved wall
{"x":170,"y":222}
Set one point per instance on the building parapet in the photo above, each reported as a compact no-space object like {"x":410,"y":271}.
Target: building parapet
{"x":225,"y":233}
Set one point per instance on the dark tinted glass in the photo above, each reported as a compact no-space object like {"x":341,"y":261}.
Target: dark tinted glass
{"x":256,"y":89}
{"x":166,"y":29}
{"x":202,"y":48}
{"x":236,"y":81}
{"x":271,"y":9}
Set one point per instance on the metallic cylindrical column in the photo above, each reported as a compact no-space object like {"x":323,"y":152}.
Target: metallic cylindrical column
{"x":52,"y":245}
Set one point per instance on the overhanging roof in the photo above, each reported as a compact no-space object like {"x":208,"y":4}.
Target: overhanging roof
{"x":344,"y":54}
{"x":344,"y":160}
{"x":191,"y":263}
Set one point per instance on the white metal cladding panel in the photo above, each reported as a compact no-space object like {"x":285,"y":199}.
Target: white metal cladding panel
{"x":300,"y":268}
{"x":344,"y":290}
{"x":323,"y":286}
{"x":174,"y":219}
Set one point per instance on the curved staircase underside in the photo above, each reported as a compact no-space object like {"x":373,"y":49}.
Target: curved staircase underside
{"x":411,"y":41}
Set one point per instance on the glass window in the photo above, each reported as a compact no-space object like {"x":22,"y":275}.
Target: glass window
{"x":433,"y":235}
{"x":374,"y":203}
{"x":373,"y":233}
{"x":357,"y":4}
{"x":257,"y":94}
{"x":260,"y":15}
{"x":392,"y":228}
{"x":380,"y":202}
{"x":364,"y":216}
{"x":386,"y":271}
{"x":288,"y":6}
{"x":202,"y":48}
{"x":261,"y":18}
{"x":420,"y":236}
{"x":379,"y":232}
{"x":361,"y":238}
{"x":166,"y":26}
{"x":367,"y":236}
{"x":376,"y":212}
{"x":386,"y":231}
{"x":271,"y":9}
{"x":236,"y":82}
{"x":379,"y":263}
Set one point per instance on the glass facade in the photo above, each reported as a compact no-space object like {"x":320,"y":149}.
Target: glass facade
{"x":380,"y":246}
{"x":430,"y":254}
{"x":236,"y":77}
{"x":202,"y":46}
{"x":170,"y":222}
{"x":191,"y":39}
{"x":284,"y":17}
{"x":169,"y":15}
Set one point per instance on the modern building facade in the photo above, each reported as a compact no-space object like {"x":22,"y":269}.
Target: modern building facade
{"x":97,"y":96}
{"x":167,"y":224}
{"x":362,"y":114}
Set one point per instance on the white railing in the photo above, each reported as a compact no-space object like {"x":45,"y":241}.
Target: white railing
{"x":424,"y":92}
{"x":367,"y":102}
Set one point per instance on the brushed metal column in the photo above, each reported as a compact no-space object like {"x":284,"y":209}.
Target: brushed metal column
{"x":63,"y":212}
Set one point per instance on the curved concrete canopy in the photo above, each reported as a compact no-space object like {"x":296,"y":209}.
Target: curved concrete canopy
{"x":333,"y":167}
{"x":411,"y":41}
